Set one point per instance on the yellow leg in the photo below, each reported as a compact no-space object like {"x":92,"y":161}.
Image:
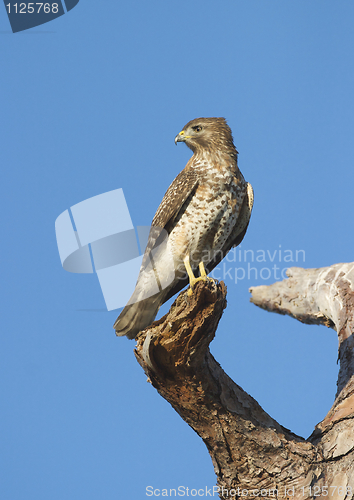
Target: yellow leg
{"x":192,"y":279}
{"x":189,"y":269}
{"x":202,"y":270}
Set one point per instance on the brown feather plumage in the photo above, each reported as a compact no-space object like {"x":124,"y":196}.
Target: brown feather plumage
{"x":205,"y":211}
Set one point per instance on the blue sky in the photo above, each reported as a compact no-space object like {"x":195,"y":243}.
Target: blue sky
{"x":92,"y":102}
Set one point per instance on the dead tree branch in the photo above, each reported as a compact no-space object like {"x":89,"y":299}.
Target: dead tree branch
{"x":249,"y":449}
{"x":322,"y":296}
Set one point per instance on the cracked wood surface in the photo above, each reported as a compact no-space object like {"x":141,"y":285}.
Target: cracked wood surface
{"x":325,"y":296}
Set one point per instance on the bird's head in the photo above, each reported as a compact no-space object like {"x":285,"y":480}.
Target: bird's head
{"x":207,"y":134}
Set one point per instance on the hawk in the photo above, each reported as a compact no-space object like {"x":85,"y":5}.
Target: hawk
{"x":205,"y":212}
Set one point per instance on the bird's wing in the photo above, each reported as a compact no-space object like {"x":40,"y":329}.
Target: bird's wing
{"x":234,"y":239}
{"x":171,"y":208}
{"x":136,"y":315}
{"x":244,"y":217}
{"x":240,"y":228}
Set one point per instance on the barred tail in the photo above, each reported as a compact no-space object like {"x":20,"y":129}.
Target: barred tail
{"x":135,"y":317}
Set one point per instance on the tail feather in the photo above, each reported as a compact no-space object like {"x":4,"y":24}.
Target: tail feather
{"x":135,"y":317}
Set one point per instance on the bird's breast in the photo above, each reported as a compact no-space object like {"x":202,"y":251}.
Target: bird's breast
{"x":209,"y":217}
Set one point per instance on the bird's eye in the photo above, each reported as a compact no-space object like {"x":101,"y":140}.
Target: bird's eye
{"x":197,"y":128}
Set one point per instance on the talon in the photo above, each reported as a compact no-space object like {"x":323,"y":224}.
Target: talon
{"x":192,"y":279}
{"x":203,"y":273}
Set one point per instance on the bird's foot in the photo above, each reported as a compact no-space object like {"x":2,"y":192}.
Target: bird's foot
{"x":192,"y":279}
{"x":195,"y":280}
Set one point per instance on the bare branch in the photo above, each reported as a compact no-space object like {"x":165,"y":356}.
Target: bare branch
{"x":249,"y":449}
{"x":324,"y":296}
{"x":246,"y":445}
{"x":317,"y":296}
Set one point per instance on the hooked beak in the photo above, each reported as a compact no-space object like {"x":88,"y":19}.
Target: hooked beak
{"x":181,"y":137}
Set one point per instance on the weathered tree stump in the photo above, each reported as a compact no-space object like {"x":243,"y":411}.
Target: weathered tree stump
{"x":253,"y":455}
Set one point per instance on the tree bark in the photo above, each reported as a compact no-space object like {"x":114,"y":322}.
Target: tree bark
{"x":252,"y":454}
